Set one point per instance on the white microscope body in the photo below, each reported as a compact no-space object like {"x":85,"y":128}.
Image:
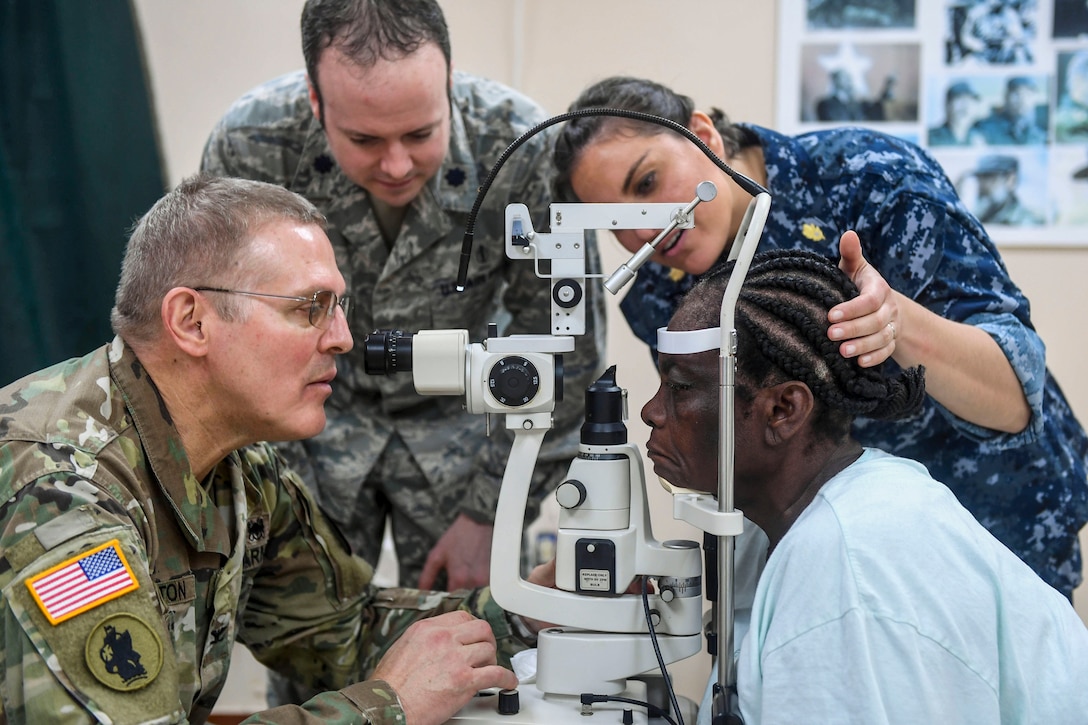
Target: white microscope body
{"x":603,"y":640}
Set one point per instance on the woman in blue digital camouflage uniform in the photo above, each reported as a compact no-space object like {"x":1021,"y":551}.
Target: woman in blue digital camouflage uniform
{"x":996,"y":427}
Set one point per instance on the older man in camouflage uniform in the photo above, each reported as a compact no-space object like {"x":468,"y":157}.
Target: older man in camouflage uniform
{"x":143,"y":530}
{"x":392,"y":146}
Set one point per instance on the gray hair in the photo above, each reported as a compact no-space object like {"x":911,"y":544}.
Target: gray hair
{"x":195,"y":235}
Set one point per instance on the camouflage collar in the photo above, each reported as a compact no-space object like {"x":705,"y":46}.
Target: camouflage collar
{"x":458,"y":179}
{"x":167,"y":460}
{"x":318,"y":177}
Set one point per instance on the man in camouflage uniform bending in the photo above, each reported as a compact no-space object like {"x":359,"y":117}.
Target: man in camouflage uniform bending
{"x":391,"y":146}
{"x":143,"y":530}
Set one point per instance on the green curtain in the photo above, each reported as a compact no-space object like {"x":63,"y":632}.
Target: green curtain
{"x":79,"y":163}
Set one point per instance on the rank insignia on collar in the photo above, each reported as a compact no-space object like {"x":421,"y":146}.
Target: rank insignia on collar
{"x":83,"y":582}
{"x":812,"y":232}
{"x":323,"y":164}
{"x":455,"y":177}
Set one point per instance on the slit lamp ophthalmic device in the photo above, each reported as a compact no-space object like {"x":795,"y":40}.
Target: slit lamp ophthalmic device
{"x":604,"y":645}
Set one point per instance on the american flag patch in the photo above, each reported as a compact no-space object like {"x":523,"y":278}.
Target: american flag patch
{"x":83,"y":582}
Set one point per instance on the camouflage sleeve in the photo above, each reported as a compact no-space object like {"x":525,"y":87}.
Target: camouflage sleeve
{"x":395,"y":610}
{"x":371,"y":702}
{"x":113,"y":659}
{"x":313,"y":614}
{"x":949,"y":266}
{"x":1026,"y":353}
{"x":100,"y":655}
{"x":302,"y":612}
{"x":234,"y":152}
{"x":260,"y":135}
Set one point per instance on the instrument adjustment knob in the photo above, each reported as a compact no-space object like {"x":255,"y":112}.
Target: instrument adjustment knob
{"x":570,"y":494}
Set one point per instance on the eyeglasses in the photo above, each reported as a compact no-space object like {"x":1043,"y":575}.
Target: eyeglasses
{"x":323,"y":303}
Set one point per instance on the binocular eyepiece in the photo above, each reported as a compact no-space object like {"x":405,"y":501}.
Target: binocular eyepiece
{"x":500,"y":375}
{"x":387,"y":351}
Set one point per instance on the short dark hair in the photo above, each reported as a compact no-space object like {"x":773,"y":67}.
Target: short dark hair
{"x":367,"y":31}
{"x":631,"y":94}
{"x":781,"y":319}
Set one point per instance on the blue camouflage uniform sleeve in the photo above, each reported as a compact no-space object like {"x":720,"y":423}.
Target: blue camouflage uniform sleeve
{"x":1026,"y":353}
{"x":936,"y":253}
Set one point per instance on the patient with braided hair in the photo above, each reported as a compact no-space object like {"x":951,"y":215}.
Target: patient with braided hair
{"x":882,"y":600}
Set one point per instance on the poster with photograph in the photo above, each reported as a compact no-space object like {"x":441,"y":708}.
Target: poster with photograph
{"x":995,"y":90}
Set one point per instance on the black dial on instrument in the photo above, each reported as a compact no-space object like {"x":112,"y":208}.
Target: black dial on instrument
{"x":514,"y":381}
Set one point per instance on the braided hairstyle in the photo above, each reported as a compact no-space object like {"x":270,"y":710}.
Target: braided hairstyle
{"x":630,"y":94}
{"x":781,"y":319}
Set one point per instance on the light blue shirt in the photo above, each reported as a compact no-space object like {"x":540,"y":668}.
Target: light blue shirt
{"x":887,"y":602}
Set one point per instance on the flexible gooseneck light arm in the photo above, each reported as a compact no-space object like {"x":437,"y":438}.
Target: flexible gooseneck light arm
{"x":743,"y":181}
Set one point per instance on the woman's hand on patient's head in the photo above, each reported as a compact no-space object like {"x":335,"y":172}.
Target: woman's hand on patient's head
{"x":868,"y":325}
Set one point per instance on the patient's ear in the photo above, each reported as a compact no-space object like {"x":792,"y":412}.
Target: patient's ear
{"x":787,"y":410}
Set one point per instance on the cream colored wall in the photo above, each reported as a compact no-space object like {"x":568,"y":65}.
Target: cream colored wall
{"x":204,"y":53}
